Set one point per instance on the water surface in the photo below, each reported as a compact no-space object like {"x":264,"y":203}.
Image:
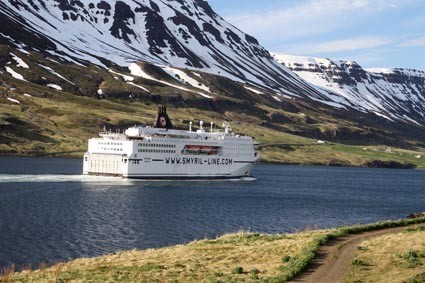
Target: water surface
{"x":49,"y":212}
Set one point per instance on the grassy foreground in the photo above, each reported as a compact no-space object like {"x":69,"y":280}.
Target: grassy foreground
{"x":241,"y":257}
{"x":399,"y":257}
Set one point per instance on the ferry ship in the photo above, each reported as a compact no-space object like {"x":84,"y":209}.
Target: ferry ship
{"x":162,"y":152}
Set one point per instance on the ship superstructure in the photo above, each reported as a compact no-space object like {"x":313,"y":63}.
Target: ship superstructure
{"x":161,"y":152}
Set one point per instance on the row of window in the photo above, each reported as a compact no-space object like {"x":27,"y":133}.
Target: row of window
{"x":110,"y":143}
{"x":157,"y":145}
{"x":111,"y":149}
{"x":157,"y":150}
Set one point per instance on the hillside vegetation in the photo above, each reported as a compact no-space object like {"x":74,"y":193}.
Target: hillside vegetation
{"x":60,"y":124}
{"x":40,"y":120}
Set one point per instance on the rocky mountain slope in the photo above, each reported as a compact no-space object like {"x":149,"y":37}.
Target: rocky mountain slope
{"x":190,"y":35}
{"x":184,"y":34}
{"x":119,"y":56}
{"x":395,"y":94}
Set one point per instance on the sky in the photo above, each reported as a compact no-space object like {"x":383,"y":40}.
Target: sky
{"x":374,"y":33}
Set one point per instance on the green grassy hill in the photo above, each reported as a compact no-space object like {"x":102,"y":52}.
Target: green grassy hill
{"x":58,"y":122}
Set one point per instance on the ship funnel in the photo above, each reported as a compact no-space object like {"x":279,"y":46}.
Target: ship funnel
{"x":162,"y":119}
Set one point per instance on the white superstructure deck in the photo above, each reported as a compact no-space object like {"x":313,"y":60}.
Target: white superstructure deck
{"x":156,"y":153}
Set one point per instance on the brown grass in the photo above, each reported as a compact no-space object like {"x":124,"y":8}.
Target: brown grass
{"x":390,"y":258}
{"x":259,"y":256}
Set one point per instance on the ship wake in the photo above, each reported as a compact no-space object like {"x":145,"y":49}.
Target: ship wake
{"x":55,"y":178}
{"x":58,"y":178}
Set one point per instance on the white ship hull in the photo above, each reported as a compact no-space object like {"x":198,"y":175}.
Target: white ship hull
{"x":167,"y":167}
{"x":151,"y":153}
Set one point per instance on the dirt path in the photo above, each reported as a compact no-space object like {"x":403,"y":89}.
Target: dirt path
{"x":331,"y":264}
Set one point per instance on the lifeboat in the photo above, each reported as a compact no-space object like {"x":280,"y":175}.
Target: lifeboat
{"x":206,"y":149}
{"x":193,"y":147}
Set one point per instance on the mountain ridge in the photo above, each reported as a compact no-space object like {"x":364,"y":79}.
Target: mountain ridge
{"x":185,"y":34}
{"x":54,"y":50}
{"x":395,"y":94}
{"x":189,"y":35}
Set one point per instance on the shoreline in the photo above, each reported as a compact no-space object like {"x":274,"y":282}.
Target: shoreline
{"x":384,"y":164}
{"x":231,"y":257}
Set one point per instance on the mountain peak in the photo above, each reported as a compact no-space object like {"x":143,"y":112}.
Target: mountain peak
{"x":398,"y":94}
{"x":189,"y":35}
{"x":184,"y":34}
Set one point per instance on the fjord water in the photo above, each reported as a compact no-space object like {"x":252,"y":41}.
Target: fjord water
{"x":49,"y":212}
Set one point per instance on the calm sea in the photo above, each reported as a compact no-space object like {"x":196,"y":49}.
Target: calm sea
{"x":49,"y":212}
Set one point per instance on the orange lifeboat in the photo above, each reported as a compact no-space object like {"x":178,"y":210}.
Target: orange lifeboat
{"x":206,"y":149}
{"x":193,"y":147}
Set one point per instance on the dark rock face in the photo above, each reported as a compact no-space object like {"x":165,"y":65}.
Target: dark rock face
{"x":191,"y":26}
{"x":104,"y":6}
{"x":205,"y":7}
{"x":155,"y":7}
{"x":122,"y":17}
{"x":188,"y":34}
{"x":18,"y":33}
{"x":64,"y":5}
{"x":212,"y":30}
{"x":159,"y":36}
{"x":251,"y":39}
{"x":185,"y":34}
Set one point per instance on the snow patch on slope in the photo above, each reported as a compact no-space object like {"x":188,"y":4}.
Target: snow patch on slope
{"x":15,"y":74}
{"x":136,"y":70}
{"x":125,"y":77}
{"x":56,"y":73}
{"x":19,"y":61}
{"x":139,"y":86}
{"x":23,"y":51}
{"x":14,"y":100}
{"x":54,"y":86}
{"x":277,"y":98}
{"x":253,"y":90}
{"x":292,"y":61}
{"x":380,"y":70}
{"x":184,"y":78}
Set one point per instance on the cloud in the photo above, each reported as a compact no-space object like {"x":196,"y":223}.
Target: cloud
{"x":417,"y":42}
{"x":350,"y":44}
{"x":368,"y":58}
{"x":371,"y":32}
{"x":313,"y":17}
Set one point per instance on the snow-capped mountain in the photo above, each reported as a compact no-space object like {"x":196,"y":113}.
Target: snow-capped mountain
{"x":395,"y":94}
{"x":187,"y":37}
{"x":184,"y":34}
